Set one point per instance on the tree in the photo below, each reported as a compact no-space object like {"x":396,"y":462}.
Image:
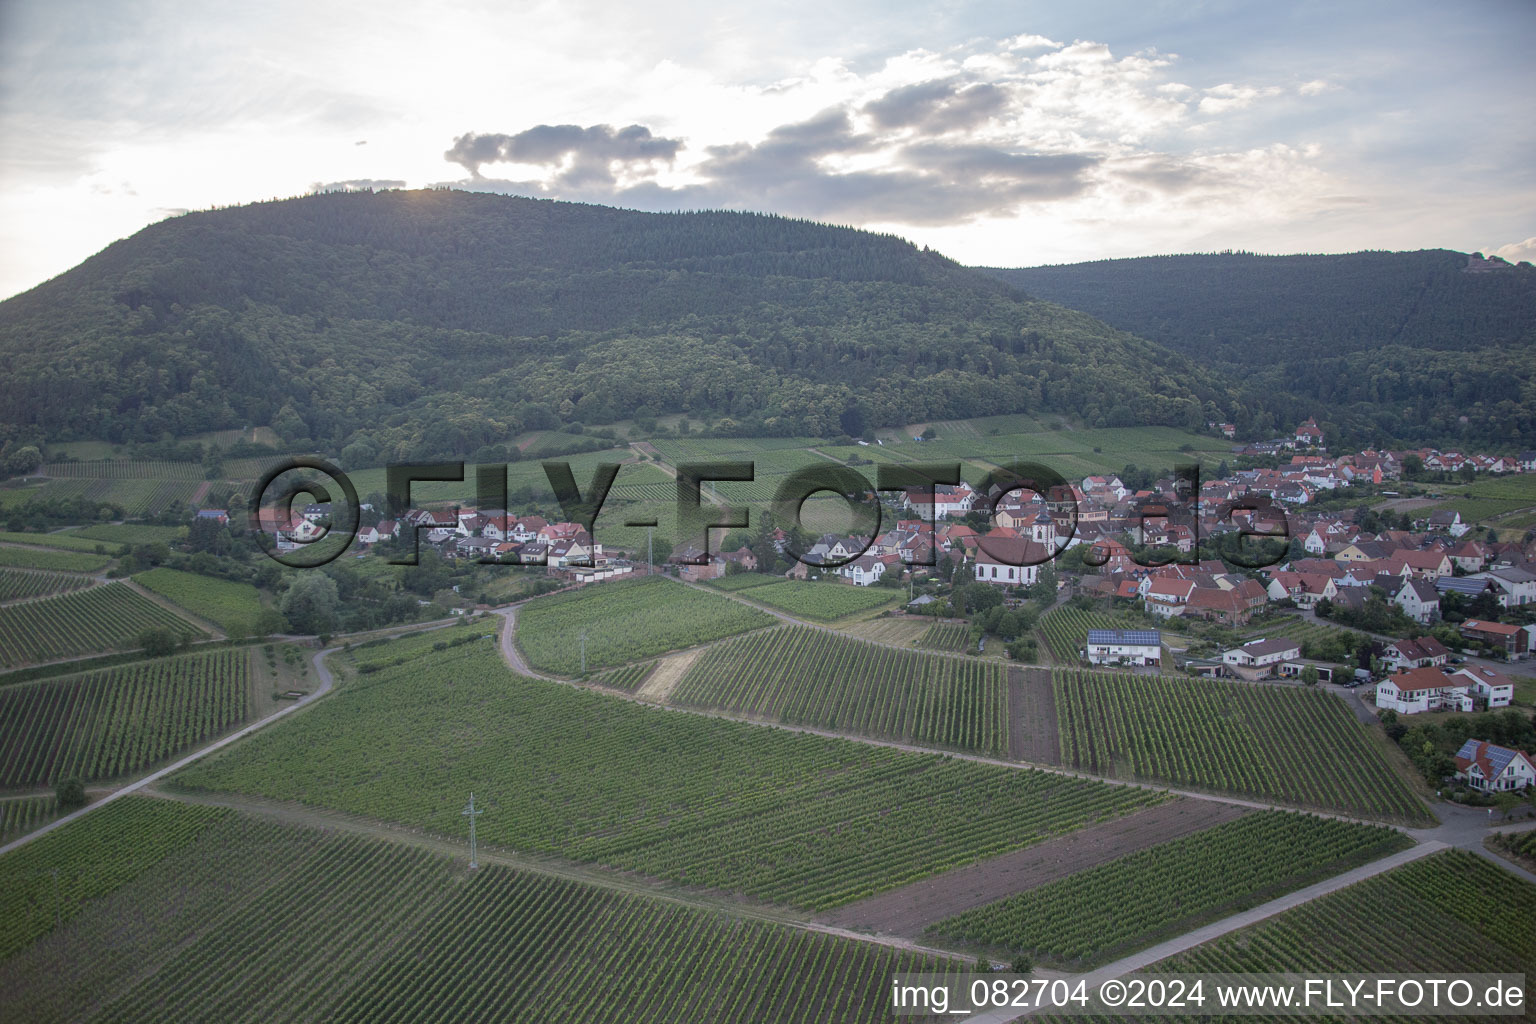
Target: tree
{"x":1022,"y":964}
{"x":70,"y":793}
{"x":1309,"y":675}
{"x":157,"y":641}
{"x":311,"y":603}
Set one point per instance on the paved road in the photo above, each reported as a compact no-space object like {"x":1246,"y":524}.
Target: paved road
{"x":321,"y":672}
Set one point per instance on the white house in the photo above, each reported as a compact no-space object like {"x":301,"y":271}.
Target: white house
{"x":1418,"y":599}
{"x":1406,"y":654}
{"x":1167,"y":597}
{"x":1261,"y":657}
{"x":997,"y":558}
{"x":1516,"y":587}
{"x":864,"y":570}
{"x":1492,"y":688}
{"x":1130,"y":646}
{"x":1424,"y":689}
{"x":1482,"y":765}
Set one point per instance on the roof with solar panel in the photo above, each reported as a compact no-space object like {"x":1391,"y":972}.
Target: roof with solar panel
{"x":1136,"y":637}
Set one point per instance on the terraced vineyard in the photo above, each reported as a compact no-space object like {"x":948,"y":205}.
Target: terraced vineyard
{"x":1229,"y":737}
{"x":1295,"y":627}
{"x":22,"y":814}
{"x":93,"y":855}
{"x":770,"y":814}
{"x":822,"y":602}
{"x":233,"y":607}
{"x":17,"y":583}
{"x":108,"y":723}
{"x":347,"y":928}
{"x":804,"y":676}
{"x":946,"y":636}
{"x":105,"y":618}
{"x":624,"y":621}
{"x":126,"y":469}
{"x":1065,"y":630}
{"x":1126,"y":904}
{"x":52,"y":561}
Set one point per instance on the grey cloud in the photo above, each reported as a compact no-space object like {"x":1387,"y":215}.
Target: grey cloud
{"x":938,"y":107}
{"x":592,"y":150}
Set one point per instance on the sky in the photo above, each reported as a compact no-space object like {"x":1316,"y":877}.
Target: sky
{"x":1006,"y":134}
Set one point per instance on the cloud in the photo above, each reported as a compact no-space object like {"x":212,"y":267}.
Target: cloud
{"x":1221,"y":98}
{"x":938,"y":107}
{"x":586,"y":156}
{"x":1315,"y":87}
{"x":1517,"y":252}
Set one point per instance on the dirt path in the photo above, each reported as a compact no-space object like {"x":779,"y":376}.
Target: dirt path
{"x":906,"y":911}
{"x":668,"y":673}
{"x":1034,"y":733}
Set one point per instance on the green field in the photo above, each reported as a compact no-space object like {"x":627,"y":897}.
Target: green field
{"x":823,"y":602}
{"x":626,"y":620}
{"x":93,"y":856}
{"x":52,"y":561}
{"x":233,"y":607}
{"x":1299,"y":746}
{"x":1126,"y":904}
{"x":255,"y":921}
{"x":803,"y":676}
{"x":105,"y":618}
{"x":766,"y":813}
{"x":111,"y":722}
{"x":17,"y":583}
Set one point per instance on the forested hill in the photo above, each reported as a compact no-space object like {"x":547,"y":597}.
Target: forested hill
{"x":429,"y":323}
{"x":1401,"y":343}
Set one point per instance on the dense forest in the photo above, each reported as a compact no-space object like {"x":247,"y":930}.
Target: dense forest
{"x":430,"y":323}
{"x":1386,"y":345}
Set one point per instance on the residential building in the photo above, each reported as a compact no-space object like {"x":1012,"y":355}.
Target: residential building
{"x":1124,"y":646}
{"x":1415,"y":690}
{"x":1494,"y":769}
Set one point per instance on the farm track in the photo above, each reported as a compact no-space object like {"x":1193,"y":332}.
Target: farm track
{"x":906,"y":911}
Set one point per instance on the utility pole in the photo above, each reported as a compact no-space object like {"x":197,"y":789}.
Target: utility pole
{"x":470,"y":813}
{"x":650,"y":558}
{"x":583,"y":652}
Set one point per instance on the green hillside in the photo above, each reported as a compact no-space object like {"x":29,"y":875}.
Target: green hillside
{"x":432,"y":323}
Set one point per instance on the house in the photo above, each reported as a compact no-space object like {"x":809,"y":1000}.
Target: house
{"x":863,"y":571}
{"x":1512,"y":641}
{"x":1234,"y":606}
{"x":1418,"y":599}
{"x":1414,"y":690}
{"x":944,"y":501}
{"x":1260,"y":658}
{"x":1166,"y":597}
{"x":1309,"y":434}
{"x":1305,"y":588}
{"x":384,"y":529}
{"x":1124,"y":646}
{"x":1447,"y":522}
{"x":1493,"y":689}
{"x":216,"y":515}
{"x":1482,"y":765}
{"x":1515,"y":587}
{"x":1406,"y":654}
{"x":1470,"y":556}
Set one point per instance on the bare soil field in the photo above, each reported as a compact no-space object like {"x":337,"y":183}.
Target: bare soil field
{"x":1033,"y":728}
{"x":908,"y":910}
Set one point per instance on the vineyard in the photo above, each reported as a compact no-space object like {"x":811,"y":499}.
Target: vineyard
{"x":1230,"y":737}
{"x":771,"y":814}
{"x":52,"y":561}
{"x":73,"y":540}
{"x":1115,"y":908}
{"x":626,"y":621}
{"x":126,"y":469}
{"x":946,"y":636}
{"x":102,"y":618}
{"x":233,"y":607}
{"x":822,"y":602}
{"x":347,"y":928}
{"x":137,"y":496}
{"x":93,"y":856}
{"x":21,"y":815}
{"x":114,"y":721}
{"x":17,"y":583}
{"x":122,"y":534}
{"x":629,"y":678}
{"x":1295,"y":628}
{"x":742,"y":581}
{"x":1065,"y":631}
{"x":1520,"y":845}
{"x":804,"y":676}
